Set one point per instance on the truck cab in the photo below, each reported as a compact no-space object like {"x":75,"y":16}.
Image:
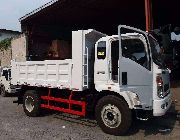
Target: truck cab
{"x":130,"y":64}
{"x":5,"y":83}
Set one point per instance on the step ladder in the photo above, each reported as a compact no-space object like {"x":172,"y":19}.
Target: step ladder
{"x":85,"y":69}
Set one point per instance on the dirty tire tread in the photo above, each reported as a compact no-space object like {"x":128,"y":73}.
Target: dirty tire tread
{"x":37,"y":102}
{"x":126,"y":116}
{"x":3,"y":92}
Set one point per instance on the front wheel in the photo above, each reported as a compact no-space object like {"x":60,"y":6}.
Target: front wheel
{"x":31,"y":103}
{"x":3,"y":91}
{"x":113,"y":115}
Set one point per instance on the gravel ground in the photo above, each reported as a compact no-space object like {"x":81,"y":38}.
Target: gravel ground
{"x":175,"y":88}
{"x":15,"y":125}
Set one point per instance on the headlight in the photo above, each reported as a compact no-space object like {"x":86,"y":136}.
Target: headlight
{"x":159,"y":80}
{"x":160,"y":92}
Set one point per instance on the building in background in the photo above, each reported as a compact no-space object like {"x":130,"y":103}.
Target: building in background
{"x":6,"y":55}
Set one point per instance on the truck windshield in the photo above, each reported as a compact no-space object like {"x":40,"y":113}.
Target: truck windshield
{"x":157,"y":54}
{"x":5,"y":74}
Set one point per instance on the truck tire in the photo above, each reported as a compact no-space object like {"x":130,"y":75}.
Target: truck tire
{"x":113,"y":115}
{"x":3,"y":91}
{"x":31,"y":103}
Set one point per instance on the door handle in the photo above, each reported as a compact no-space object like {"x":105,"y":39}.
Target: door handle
{"x":124,"y":78}
{"x":101,"y":72}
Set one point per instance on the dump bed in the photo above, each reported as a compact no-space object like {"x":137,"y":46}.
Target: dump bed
{"x":48,"y":73}
{"x":75,"y":74}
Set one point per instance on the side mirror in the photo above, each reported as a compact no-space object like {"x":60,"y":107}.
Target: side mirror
{"x":169,"y":70}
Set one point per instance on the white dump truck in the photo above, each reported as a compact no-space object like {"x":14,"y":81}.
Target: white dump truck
{"x":6,"y":88}
{"x":110,"y":76}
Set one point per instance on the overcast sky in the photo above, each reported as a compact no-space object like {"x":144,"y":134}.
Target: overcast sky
{"x":12,"y":10}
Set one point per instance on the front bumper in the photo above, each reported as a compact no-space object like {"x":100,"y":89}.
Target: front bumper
{"x":160,"y":107}
{"x":13,"y":90}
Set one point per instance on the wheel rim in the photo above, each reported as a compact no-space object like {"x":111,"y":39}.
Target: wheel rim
{"x":29,"y":103}
{"x":111,"y":116}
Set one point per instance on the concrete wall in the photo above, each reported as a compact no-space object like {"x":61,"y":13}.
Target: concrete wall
{"x":18,"y":45}
{"x":5,"y":57}
{"x":17,"y":51}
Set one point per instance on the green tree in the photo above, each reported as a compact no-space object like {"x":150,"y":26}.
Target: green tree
{"x":5,"y":44}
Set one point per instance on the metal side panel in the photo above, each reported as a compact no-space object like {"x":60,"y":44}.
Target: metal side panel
{"x":49,"y":73}
{"x":77,"y":60}
{"x":91,"y":37}
{"x":83,"y":44}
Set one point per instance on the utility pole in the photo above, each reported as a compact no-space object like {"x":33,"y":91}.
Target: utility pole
{"x":148,"y":14}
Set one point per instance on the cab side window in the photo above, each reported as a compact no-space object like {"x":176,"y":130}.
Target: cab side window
{"x":101,"y":50}
{"x":134,"y":49}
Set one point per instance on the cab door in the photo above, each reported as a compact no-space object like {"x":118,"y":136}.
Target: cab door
{"x":135,"y":65}
{"x":102,"y":63}
{"x":114,"y":59}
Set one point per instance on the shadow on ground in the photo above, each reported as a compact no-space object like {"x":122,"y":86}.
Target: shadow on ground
{"x":10,"y":95}
{"x":159,"y":125}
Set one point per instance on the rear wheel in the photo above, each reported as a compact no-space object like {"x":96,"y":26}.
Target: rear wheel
{"x":3,"y":91}
{"x":31,"y":103}
{"x":113,"y":115}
